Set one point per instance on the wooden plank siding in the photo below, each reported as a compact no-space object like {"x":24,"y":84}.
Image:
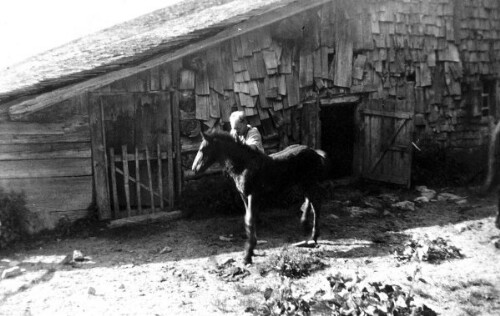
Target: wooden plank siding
{"x":49,"y":161}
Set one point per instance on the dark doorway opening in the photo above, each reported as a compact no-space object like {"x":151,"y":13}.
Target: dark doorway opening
{"x":337,"y":137}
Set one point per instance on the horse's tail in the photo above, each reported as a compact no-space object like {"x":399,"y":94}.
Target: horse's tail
{"x":325,"y":163}
{"x":492,"y":164}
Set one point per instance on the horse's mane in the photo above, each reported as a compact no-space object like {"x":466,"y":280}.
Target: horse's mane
{"x":227,"y":139}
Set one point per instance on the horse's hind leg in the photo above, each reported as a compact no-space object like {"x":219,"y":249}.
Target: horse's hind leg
{"x":305,"y":208}
{"x":250,"y":212}
{"x":315,"y":197}
{"x":497,"y":221}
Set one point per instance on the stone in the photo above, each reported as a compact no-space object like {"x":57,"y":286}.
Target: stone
{"x":389,"y":197}
{"x":426,"y":192}
{"x":11,"y":272}
{"x":165,"y":250}
{"x":227,"y":238}
{"x":78,"y":256}
{"x":449,"y":197}
{"x":356,"y":211}
{"x":422,"y":199}
{"x":67,"y":260}
{"x":404,"y":206}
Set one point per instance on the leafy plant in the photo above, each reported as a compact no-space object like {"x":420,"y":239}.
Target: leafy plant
{"x":348,"y":296}
{"x":12,"y":205}
{"x":433,"y":251}
{"x":293,"y":264}
{"x":281,"y":301}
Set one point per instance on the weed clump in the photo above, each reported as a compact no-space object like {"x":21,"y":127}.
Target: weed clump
{"x":293,"y":264}
{"x":12,"y":206}
{"x":433,"y":251}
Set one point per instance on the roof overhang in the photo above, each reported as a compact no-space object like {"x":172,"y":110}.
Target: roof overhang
{"x":21,"y":108}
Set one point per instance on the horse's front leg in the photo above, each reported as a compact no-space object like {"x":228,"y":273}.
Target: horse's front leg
{"x":250,"y":229}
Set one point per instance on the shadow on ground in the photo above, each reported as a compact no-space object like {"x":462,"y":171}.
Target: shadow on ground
{"x":199,"y":235}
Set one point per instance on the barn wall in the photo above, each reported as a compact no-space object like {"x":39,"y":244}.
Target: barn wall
{"x":433,"y":55}
{"x":48,"y":158}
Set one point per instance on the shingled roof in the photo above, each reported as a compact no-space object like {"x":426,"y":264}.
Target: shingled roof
{"x":128,"y":44}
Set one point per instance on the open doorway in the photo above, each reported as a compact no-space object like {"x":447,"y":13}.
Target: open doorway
{"x":337,"y":137}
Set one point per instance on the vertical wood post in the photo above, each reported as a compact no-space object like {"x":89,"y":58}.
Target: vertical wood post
{"x":150,"y":178}
{"x":160,"y":175}
{"x":126,"y":179}
{"x":174,"y":99}
{"x":116,"y":205}
{"x":98,"y":157}
{"x":138,"y":180}
{"x":170,"y":156}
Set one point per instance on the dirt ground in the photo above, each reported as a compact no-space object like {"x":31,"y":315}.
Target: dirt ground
{"x":184,"y":267}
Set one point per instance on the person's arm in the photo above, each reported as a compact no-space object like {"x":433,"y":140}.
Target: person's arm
{"x":254,"y":140}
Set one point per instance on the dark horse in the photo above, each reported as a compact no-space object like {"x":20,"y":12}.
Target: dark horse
{"x":259,"y":177}
{"x":493,"y":173}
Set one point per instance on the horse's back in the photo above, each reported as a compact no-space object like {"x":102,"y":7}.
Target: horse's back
{"x":303,"y":160}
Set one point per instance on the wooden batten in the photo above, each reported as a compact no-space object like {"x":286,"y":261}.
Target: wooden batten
{"x":249,"y":112}
{"x":202,"y":86}
{"x":214,"y":104}
{"x":238,"y":65}
{"x":285,"y":66}
{"x":187,"y":79}
{"x":226,"y":70}
{"x":225,"y":107}
{"x":292,"y":88}
{"x":306,"y":78}
{"x":169,"y":74}
{"x":253,"y":88}
{"x":262,"y":96}
{"x":236,"y":49}
{"x":271,"y":87}
{"x":263,"y":113}
{"x":358,"y":67}
{"x":99,"y":161}
{"x":342,"y":76}
{"x":246,"y":100}
{"x":202,"y":107}
{"x":263,"y":36}
{"x":281,"y":82}
{"x":317,"y":64}
{"x":214,"y":69}
{"x":270,"y":61}
{"x":154,"y":79}
{"x":45,"y":151}
{"x":260,"y":65}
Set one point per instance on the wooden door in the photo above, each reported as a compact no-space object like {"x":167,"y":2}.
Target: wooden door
{"x":387,"y":146}
{"x":137,"y":174}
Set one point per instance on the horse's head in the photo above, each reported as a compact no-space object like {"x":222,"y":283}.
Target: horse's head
{"x":207,"y":154}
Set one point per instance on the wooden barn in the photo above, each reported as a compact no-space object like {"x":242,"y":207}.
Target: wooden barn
{"x":111,"y":122}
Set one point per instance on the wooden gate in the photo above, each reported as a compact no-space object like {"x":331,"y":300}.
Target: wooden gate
{"x":387,"y":149}
{"x":158,"y":199}
{"x":135,"y":142}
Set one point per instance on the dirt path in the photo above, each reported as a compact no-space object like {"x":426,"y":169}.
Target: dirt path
{"x":177,"y":268}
